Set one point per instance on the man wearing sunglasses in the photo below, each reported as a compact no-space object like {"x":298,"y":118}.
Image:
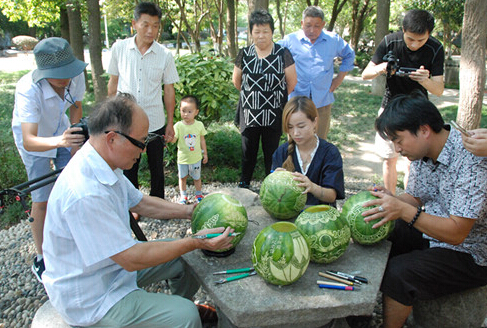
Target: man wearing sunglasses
{"x":88,"y":243}
{"x":40,"y":125}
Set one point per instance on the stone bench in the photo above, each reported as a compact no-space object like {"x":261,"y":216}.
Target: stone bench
{"x":464,"y":309}
{"x":251,"y":302}
{"x":47,"y":317}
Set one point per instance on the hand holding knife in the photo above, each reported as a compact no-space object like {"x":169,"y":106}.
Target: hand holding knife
{"x":213,"y":235}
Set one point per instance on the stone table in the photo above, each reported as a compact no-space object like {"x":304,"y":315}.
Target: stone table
{"x":252,"y":302}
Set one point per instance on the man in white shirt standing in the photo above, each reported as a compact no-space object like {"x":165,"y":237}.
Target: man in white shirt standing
{"x":41,"y":127}
{"x":138,"y":66}
{"x":94,"y":267}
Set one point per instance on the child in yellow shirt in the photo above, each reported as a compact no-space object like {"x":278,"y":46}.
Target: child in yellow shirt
{"x":189,"y":134}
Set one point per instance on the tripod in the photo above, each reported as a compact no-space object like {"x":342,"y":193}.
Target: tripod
{"x":20,"y":192}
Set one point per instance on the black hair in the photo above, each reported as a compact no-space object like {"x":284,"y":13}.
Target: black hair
{"x":261,"y":17}
{"x":418,"y":21}
{"x":113,"y":113}
{"x":314,"y":11}
{"x":408,"y":113}
{"x":149,"y":8}
{"x":191,"y":99}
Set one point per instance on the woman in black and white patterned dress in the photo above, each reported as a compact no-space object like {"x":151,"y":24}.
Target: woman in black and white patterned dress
{"x":265,"y":74}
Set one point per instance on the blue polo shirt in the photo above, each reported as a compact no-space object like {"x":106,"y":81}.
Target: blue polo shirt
{"x":314,"y":63}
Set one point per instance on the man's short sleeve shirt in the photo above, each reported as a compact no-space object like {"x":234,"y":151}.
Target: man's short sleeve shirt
{"x":142,"y":76}
{"x":455,"y":185}
{"x":87,"y":222}
{"x":431,"y":55}
{"x":39,"y":103}
{"x":314,"y":63}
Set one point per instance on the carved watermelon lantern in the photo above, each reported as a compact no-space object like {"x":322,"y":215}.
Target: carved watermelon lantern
{"x":281,"y":197}
{"x":328,"y":234}
{"x":280,"y":253}
{"x":220,"y":210}
{"x":362,"y":232}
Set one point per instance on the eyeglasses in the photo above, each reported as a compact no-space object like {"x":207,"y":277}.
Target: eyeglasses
{"x":137,"y":143}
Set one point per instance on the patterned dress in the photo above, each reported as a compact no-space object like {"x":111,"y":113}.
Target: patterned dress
{"x":263,"y":91}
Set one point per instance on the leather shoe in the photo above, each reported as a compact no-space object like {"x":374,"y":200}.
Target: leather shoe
{"x":207,"y":313}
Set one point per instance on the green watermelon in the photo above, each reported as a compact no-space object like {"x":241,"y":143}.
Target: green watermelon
{"x":220,"y":210}
{"x":328,"y":234}
{"x":280,"y":253}
{"x":280,"y":195}
{"x":362,"y":232}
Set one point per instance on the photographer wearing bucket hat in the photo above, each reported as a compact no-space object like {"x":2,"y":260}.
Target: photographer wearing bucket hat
{"x":40,"y":125}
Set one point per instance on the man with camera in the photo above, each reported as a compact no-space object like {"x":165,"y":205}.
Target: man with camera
{"x":41,"y":127}
{"x":412,"y":60}
{"x":94,"y":267}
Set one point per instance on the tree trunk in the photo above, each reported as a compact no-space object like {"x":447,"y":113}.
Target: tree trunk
{"x":279,"y":18}
{"x":337,"y":8}
{"x":95,"y":44}
{"x":76,"y":32}
{"x":472,"y":63}
{"x":381,"y":30}
{"x":231,"y":27}
{"x":64,"y":22}
{"x":258,"y":4}
{"x":216,"y":33}
{"x":254,"y":5}
{"x":358,"y":18}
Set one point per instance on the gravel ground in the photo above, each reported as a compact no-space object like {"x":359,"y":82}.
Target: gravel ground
{"x":21,"y":295}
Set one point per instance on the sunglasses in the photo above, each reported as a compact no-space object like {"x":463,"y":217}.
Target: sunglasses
{"x":137,"y":143}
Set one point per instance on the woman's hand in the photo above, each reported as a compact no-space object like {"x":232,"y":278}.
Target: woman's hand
{"x":304,"y":182}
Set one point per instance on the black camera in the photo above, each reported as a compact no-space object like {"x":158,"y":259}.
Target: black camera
{"x":393,"y":67}
{"x":83,"y":123}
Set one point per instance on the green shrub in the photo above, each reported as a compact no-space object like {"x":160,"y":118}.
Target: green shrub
{"x":362,"y":59}
{"x":209,"y":78}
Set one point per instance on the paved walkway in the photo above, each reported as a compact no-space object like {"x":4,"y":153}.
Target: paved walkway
{"x":363,"y":163}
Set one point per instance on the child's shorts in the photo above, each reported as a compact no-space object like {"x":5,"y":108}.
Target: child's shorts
{"x":37,"y":166}
{"x":194,"y":170}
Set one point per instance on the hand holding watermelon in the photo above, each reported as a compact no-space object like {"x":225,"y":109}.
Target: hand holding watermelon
{"x":214,"y":244}
{"x":363,"y":232}
{"x":386,"y":208}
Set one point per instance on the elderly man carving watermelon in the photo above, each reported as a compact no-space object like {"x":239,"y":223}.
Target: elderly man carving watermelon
{"x":440,"y":238}
{"x":94,"y":268}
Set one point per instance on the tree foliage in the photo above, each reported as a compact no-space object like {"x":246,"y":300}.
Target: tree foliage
{"x":208,"y":77}
{"x":34,"y":12}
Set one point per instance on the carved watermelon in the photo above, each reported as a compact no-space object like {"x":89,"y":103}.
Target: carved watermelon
{"x":280,"y":253}
{"x":362,"y":232}
{"x":220,"y":210}
{"x":280,"y":195}
{"x":328,"y":234}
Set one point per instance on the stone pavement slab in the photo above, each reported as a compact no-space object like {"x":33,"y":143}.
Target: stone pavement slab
{"x":252,"y":302}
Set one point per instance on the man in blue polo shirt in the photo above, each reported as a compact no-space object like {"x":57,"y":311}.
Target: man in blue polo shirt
{"x":314,"y":51}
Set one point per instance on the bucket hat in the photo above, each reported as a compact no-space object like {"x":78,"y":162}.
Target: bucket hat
{"x":55,"y":60}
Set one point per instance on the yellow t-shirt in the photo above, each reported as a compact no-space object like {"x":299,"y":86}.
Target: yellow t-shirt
{"x":189,"y":141}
